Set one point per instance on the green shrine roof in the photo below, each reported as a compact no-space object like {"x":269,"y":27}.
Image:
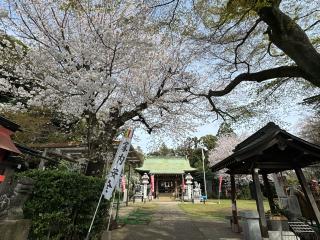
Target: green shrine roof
{"x":165,"y":165}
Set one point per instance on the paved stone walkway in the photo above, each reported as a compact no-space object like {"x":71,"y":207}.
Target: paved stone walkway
{"x":170,"y":222}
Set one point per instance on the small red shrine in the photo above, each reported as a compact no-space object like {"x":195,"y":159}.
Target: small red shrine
{"x":7,"y":148}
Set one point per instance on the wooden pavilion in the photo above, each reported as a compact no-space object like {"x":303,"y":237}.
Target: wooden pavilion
{"x":270,"y":150}
{"x":168,"y":173}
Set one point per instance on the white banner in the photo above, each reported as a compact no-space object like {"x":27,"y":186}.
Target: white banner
{"x":114,"y":174}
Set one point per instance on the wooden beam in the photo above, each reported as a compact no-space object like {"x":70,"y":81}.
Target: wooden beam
{"x":303,"y":150}
{"x":269,"y":192}
{"x":259,"y":201}
{"x":308,"y":194}
{"x":272,"y":165}
{"x":235,"y":223}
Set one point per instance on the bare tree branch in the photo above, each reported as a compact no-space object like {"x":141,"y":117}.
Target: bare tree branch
{"x":312,"y":25}
{"x":243,"y":40}
{"x":163,"y":4}
{"x":173,"y":13}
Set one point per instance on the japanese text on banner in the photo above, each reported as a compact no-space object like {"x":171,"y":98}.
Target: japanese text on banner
{"x":114,"y":174}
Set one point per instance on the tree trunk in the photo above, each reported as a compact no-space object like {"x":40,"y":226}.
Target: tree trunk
{"x":100,"y":145}
{"x":288,"y":36}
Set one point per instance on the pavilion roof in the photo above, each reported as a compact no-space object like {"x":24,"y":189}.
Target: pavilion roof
{"x":271,"y":149}
{"x":166,"y":165}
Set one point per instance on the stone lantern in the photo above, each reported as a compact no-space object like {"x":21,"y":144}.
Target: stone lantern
{"x":145,"y":181}
{"x":189,"y":186}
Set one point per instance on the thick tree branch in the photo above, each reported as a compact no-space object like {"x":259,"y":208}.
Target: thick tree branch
{"x":144,"y":122}
{"x":279,"y":72}
{"x":288,"y":36}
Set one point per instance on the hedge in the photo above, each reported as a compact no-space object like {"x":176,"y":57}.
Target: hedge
{"x":62,"y":205}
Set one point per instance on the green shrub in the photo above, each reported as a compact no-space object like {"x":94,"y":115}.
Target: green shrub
{"x":62,"y":205}
{"x":244,"y":192}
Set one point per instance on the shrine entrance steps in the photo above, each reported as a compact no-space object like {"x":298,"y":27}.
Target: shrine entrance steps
{"x":164,"y":197}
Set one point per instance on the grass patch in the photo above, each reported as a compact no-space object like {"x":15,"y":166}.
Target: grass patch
{"x":140,"y":216}
{"x":214,"y":211}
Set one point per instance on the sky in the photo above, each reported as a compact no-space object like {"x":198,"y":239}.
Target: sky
{"x":291,"y":122}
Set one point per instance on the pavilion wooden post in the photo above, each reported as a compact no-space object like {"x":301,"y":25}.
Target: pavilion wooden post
{"x":308,"y":193}
{"x":259,"y":201}
{"x":235,"y":223}
{"x":269,"y":192}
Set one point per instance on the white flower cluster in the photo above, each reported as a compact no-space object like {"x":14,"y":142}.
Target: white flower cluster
{"x":92,"y":58}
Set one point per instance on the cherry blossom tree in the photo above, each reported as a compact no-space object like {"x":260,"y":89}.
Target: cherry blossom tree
{"x":224,"y":147}
{"x":310,"y":129}
{"x":104,"y":63}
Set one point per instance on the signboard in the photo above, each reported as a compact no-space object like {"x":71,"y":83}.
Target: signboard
{"x":114,"y":174}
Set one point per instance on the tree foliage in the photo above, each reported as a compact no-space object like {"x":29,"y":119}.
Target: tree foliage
{"x":42,"y":126}
{"x":224,"y":148}
{"x":225,"y":129}
{"x":12,"y":52}
{"x":310,"y":129}
{"x":102,"y":62}
{"x":272,"y":45}
{"x":62,"y":205}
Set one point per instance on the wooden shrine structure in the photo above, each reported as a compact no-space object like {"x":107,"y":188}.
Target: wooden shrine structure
{"x":78,"y":153}
{"x":12,"y":154}
{"x":270,"y":150}
{"x":168,"y":174}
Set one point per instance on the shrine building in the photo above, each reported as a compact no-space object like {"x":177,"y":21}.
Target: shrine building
{"x":168,"y":174}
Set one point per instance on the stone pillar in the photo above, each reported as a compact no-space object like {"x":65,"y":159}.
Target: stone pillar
{"x":42,"y":161}
{"x":259,"y":201}
{"x":269,"y":192}
{"x":189,"y":186}
{"x":282,"y":196}
{"x":308,"y":194}
{"x":145,"y":181}
{"x":15,"y":229}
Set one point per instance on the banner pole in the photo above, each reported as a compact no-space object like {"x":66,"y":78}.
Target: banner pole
{"x":110,"y":212}
{"x":112,"y":179}
{"x":204,"y":175}
{"x":94,"y":216}
{"x":118,"y":204}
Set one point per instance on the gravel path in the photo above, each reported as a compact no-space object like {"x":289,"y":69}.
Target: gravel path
{"x":170,"y":222}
